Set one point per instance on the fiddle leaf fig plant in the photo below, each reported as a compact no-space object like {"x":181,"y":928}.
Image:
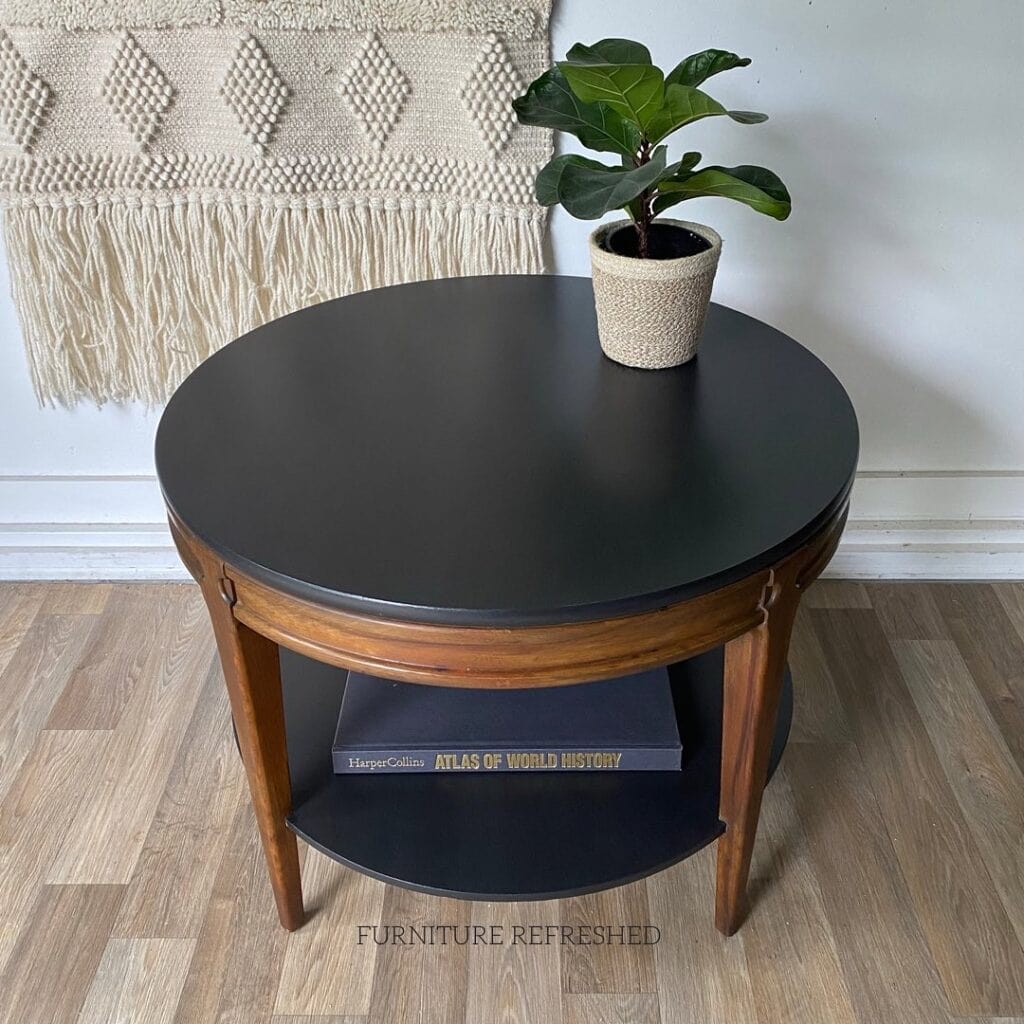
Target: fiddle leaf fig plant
{"x":614,"y":100}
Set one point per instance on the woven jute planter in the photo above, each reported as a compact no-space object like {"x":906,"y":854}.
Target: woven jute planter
{"x":650,"y":313}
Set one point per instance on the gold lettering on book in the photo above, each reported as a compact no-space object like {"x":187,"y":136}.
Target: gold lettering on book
{"x":528,"y":760}
{"x":590,"y":759}
{"x":457,"y":762}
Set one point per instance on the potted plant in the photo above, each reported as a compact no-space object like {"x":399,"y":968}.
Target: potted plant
{"x":652,"y":275}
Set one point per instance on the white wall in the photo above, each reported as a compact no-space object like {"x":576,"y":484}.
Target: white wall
{"x":898,"y":128}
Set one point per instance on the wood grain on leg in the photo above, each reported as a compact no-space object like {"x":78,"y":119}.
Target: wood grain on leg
{"x":754,"y":666}
{"x":253,"y":675}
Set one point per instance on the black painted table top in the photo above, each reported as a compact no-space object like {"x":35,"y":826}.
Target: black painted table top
{"x":461,"y":451}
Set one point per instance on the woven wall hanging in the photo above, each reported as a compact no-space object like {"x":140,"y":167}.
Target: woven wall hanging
{"x":175,"y":172}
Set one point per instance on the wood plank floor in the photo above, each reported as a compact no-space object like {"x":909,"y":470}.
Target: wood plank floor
{"x":888,"y":875}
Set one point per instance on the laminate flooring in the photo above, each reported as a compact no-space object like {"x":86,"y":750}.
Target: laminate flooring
{"x":888,"y":875}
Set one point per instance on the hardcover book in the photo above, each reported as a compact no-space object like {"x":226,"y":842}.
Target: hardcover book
{"x":625,"y":724}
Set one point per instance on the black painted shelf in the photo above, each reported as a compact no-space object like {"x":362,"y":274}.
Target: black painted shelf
{"x":509,"y":836}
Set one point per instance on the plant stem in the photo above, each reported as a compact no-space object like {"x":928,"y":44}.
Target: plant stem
{"x":643,"y":225}
{"x":644,"y":217}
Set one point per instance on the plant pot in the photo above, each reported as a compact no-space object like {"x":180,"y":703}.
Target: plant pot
{"x":650,"y":312}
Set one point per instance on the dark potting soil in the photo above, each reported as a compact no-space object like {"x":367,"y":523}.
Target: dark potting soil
{"x":664,"y":242}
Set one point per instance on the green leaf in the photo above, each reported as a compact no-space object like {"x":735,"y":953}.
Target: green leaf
{"x":747,"y":116}
{"x":758,"y":187}
{"x":609,"y":51}
{"x":550,"y":103}
{"x":588,"y":189}
{"x":688,"y":162}
{"x":548,"y":188}
{"x":636,"y":91}
{"x":699,"y":67}
{"x":683,"y":104}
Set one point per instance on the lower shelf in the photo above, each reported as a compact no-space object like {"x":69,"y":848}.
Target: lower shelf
{"x":509,"y":836}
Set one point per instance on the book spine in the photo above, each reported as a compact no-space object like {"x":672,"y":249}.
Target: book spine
{"x":636,"y":759}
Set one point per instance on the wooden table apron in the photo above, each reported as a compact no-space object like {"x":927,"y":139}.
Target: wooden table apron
{"x":752,"y":618}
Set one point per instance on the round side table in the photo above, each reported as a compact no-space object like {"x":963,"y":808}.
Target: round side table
{"x":447,"y":483}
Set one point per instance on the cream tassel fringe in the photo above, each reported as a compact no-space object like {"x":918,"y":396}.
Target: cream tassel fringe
{"x":120,"y":301}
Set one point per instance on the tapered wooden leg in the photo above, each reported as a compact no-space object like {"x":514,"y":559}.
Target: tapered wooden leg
{"x":754,"y":667}
{"x":253,"y":675}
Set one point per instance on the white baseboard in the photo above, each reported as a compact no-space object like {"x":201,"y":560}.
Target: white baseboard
{"x":915,"y":525}
{"x":989,"y":549}
{"x":89,"y":551}
{"x":870,"y":549}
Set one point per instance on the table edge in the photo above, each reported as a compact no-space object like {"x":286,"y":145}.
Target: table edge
{"x":501,"y":656}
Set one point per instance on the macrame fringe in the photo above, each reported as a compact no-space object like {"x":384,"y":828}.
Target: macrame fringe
{"x":119,"y":301}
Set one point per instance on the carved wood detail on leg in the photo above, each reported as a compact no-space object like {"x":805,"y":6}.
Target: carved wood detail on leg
{"x":754,"y":666}
{"x":252,"y":674}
